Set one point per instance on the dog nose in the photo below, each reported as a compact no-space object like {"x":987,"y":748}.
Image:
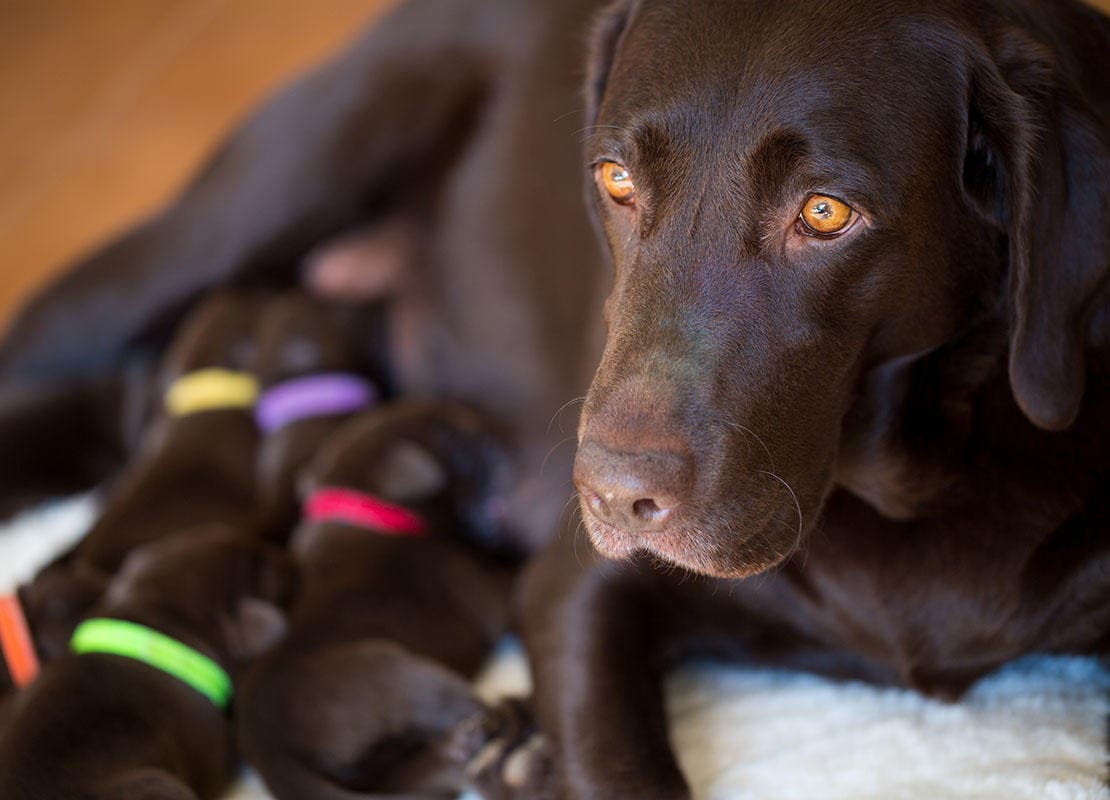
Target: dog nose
{"x":637,"y":492}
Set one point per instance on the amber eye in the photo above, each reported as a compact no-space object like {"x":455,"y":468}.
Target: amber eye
{"x":617,"y":181}
{"x":825,"y":216}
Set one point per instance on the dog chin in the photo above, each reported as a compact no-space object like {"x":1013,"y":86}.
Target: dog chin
{"x":687,"y":549}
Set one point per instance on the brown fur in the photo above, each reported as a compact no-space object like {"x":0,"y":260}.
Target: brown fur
{"x":104,"y":727}
{"x":905,"y":427}
{"x":368,"y":678}
{"x":188,"y":472}
{"x":296,"y":335}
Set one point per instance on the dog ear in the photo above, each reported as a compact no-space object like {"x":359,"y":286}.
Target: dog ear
{"x":255,"y":627}
{"x":604,"y":40}
{"x":259,"y":620}
{"x":407,"y":473}
{"x":1038,"y":162}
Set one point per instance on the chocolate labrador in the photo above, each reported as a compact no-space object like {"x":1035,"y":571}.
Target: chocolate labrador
{"x":139,"y":712}
{"x":191,"y":469}
{"x":317,"y":363}
{"x":309,"y":359}
{"x":857,"y":333}
{"x":396,"y":607}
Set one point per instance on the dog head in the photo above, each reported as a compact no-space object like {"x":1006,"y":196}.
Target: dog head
{"x":56,"y":600}
{"x":443,"y":460}
{"x":210,"y":585}
{"x":296,"y":334}
{"x":794,"y":195}
{"x":219,"y":332}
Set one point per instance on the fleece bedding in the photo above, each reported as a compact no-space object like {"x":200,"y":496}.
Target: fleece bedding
{"x":1034,"y":730}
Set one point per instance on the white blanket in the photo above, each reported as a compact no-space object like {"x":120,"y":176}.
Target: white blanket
{"x":1035,"y":729}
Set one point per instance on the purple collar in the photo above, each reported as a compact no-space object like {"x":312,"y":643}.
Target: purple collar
{"x":322,"y":395}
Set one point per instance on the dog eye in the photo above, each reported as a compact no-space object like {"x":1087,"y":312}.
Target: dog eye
{"x":825,"y":216}
{"x":617,"y":182}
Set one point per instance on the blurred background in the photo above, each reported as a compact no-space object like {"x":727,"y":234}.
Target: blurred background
{"x":108,"y":105}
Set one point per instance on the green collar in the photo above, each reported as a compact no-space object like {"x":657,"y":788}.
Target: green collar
{"x":131,"y":640}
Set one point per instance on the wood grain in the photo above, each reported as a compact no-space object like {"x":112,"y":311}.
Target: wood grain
{"x":110,"y":104}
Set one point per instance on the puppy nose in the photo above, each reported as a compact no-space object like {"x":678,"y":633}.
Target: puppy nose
{"x":637,"y":492}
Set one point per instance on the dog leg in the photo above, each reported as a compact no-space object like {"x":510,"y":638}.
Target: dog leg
{"x":594,"y":634}
{"x":379,"y":123}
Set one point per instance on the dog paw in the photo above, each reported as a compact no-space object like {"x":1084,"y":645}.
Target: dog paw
{"x":506,"y":757}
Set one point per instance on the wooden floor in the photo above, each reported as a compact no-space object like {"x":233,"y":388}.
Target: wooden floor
{"x":109,"y":104}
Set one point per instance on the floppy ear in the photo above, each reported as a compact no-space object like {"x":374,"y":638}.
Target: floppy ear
{"x":259,"y":620}
{"x":256,"y":626}
{"x":604,"y":40}
{"x":1053,"y":200}
{"x":408,"y":472}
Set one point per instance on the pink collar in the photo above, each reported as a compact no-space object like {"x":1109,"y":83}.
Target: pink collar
{"x":331,"y":504}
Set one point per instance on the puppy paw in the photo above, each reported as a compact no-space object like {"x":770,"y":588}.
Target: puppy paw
{"x":506,"y":757}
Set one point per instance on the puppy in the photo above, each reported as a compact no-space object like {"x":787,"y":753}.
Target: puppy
{"x":308,"y":356}
{"x":101,"y":725}
{"x":317,"y":363}
{"x":195,"y":466}
{"x":395,"y":605}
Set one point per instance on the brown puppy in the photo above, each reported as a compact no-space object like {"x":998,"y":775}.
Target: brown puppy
{"x":363,"y":682}
{"x":190,"y":470}
{"x":102,"y":726}
{"x":316,"y":364}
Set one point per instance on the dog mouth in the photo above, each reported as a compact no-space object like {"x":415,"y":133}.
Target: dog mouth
{"x":692,"y":547}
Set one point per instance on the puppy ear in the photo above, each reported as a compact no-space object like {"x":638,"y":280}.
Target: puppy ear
{"x":256,"y":627}
{"x":407,"y":472}
{"x":1053,"y":200}
{"x":608,"y":28}
{"x":259,"y":621}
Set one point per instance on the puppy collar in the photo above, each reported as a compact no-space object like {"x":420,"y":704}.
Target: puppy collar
{"x":130,"y":640}
{"x":16,"y":644}
{"x":211,"y":390}
{"x":363,"y":510}
{"x":320,"y":395}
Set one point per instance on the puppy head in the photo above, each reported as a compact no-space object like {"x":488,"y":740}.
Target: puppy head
{"x":217,"y":333}
{"x":57,"y":599}
{"x":297,"y":334}
{"x":211,"y":584}
{"x":444,"y":460}
{"x":794,"y":195}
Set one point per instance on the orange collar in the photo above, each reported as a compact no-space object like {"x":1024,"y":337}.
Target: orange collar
{"x":16,"y":644}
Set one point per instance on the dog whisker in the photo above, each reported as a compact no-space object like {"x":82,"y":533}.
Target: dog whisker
{"x":567,"y":114}
{"x":744,"y":429}
{"x":551,"y":452}
{"x":797,"y":505}
{"x":563,"y":408}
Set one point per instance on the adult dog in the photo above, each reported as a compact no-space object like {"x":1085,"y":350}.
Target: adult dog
{"x":858,"y":324}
